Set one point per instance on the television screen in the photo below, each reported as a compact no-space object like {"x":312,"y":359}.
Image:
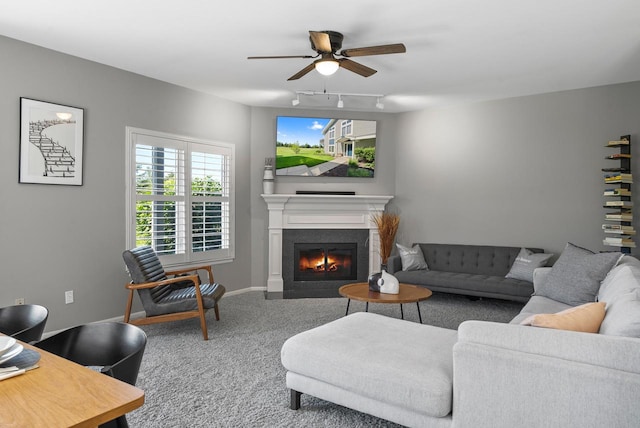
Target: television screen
{"x":325,"y":147}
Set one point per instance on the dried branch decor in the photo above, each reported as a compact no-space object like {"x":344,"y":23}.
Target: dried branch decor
{"x":387,"y":224}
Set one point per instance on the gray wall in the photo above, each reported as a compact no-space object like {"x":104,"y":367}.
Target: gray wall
{"x":263,"y":134}
{"x":57,"y":238}
{"x":521,"y":171}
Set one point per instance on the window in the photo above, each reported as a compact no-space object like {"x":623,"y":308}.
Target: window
{"x":345,"y":128}
{"x":180,"y":197}
{"x":332,"y":139}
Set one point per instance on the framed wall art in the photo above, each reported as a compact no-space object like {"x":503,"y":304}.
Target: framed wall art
{"x":51,"y":143}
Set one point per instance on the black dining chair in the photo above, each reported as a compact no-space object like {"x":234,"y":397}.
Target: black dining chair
{"x":23,"y":322}
{"x":112,"y":348}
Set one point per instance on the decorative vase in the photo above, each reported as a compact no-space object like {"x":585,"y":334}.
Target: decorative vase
{"x":268,"y":187}
{"x":373,"y":281}
{"x":268,"y":181}
{"x":388,"y":283}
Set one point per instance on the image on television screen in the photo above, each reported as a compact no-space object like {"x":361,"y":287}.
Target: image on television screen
{"x":325,"y":147}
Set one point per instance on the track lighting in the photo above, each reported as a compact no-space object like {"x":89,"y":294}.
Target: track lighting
{"x":378,"y":97}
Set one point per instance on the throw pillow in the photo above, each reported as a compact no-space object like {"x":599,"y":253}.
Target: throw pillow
{"x":575,"y":278}
{"x":586,"y":318}
{"x":622,"y":279}
{"x":623,"y":316}
{"x":412,"y":258}
{"x":526,"y":262}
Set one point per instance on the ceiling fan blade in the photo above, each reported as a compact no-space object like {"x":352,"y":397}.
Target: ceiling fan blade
{"x":357,"y":68}
{"x":302,"y":72}
{"x":321,"y":41}
{"x":375,"y":50}
{"x":281,"y":56}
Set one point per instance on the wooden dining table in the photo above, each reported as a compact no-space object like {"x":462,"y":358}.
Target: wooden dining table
{"x":60,"y":393}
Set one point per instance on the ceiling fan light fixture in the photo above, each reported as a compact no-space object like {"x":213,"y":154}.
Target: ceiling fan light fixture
{"x":340,"y":102}
{"x":327,"y":67}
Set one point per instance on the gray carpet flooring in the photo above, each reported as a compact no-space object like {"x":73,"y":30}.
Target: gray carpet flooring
{"x":236,"y":380}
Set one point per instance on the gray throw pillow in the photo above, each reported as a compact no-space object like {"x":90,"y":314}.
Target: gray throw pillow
{"x":526,"y":262}
{"x":622,"y":279}
{"x":623,"y":316}
{"x":575,"y":278}
{"x":412,"y":258}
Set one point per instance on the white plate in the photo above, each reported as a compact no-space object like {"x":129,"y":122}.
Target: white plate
{"x":15,"y":350}
{"x":6,"y":343}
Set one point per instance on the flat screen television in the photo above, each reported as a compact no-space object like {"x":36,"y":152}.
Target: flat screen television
{"x":325,"y":147}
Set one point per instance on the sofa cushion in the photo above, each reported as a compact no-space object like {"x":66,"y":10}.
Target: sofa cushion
{"x":586,"y":318}
{"x":412,"y":258}
{"x":469,"y":284}
{"x":575,"y":278}
{"x":526,"y":262}
{"x":473,"y":259}
{"x":623,"y":316}
{"x":386,"y":359}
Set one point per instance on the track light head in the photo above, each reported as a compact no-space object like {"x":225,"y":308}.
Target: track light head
{"x":379,"y":104}
{"x":340,"y":102}
{"x":296,"y":101}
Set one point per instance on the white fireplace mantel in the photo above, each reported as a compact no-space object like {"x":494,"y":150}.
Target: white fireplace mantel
{"x":318,"y":211}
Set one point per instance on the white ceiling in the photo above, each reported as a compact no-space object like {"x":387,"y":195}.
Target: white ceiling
{"x":458,"y":51}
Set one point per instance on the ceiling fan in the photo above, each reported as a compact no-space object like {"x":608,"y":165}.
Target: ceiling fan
{"x":328,"y":44}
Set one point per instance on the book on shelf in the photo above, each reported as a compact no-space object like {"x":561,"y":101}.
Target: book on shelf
{"x":618,"y":229}
{"x":621,"y":227}
{"x":616,"y":143}
{"x":618,"y":178}
{"x":615,"y":170}
{"x":622,"y":216}
{"x":617,"y":192}
{"x":620,"y":232}
{"x":613,"y":244}
{"x":623,"y":204}
{"x":619,"y":156}
{"x":619,"y":242}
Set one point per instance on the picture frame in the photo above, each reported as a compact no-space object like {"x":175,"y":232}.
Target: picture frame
{"x":51,"y":143}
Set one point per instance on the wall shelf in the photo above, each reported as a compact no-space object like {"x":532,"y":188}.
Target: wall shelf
{"x":619,"y":229}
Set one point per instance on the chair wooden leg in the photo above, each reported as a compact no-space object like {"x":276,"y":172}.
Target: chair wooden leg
{"x":203,"y":326}
{"x":201,"y":311}
{"x":215,"y":309}
{"x":127,"y":312}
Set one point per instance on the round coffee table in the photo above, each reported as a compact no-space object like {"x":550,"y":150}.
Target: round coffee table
{"x":408,"y":294}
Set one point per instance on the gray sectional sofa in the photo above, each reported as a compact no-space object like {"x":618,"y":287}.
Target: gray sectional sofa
{"x":488,"y":374}
{"x":473,"y":270}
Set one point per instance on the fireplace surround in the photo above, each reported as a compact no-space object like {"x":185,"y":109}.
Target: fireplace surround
{"x":322,"y":213}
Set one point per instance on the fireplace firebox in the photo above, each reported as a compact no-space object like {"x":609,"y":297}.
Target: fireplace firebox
{"x":318,"y":261}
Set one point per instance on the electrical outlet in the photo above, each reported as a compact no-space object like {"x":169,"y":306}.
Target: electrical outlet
{"x":19,"y":301}
{"x":68,"y":297}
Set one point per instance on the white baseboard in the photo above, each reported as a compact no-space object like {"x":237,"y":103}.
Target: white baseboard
{"x":141,"y":313}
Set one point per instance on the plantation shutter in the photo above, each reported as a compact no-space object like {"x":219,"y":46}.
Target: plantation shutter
{"x":183,"y":197}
